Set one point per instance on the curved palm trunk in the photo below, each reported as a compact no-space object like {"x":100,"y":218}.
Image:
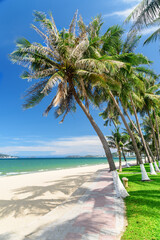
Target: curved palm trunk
{"x":144,"y":173}
{"x":120,"y":189}
{"x":120,"y":160}
{"x":154,"y":135}
{"x":152,"y":171}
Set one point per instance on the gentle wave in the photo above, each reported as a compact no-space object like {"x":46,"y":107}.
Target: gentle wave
{"x":12,"y":173}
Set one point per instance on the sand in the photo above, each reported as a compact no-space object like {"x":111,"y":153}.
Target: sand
{"x":30,"y":201}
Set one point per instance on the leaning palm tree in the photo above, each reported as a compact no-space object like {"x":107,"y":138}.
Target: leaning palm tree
{"x":68,"y":62}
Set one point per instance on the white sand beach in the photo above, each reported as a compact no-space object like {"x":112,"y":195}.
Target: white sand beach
{"x":30,"y":201}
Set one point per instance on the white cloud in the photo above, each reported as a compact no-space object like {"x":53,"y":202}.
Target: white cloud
{"x":64,"y":146}
{"x":124,"y":13}
{"x":149,"y":30}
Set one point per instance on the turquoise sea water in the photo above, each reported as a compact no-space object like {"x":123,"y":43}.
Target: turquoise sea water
{"x":27,"y":165}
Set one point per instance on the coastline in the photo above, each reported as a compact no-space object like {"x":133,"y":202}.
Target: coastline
{"x":28,"y":198}
{"x":28,"y":166}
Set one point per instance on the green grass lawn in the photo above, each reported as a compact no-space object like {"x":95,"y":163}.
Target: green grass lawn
{"x":143,"y":206}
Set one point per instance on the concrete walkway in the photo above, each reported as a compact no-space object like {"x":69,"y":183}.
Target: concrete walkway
{"x":98,"y":215}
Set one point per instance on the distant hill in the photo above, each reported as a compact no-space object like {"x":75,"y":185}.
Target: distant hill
{"x":114,"y":154}
{"x":87,"y":156}
{"x":6,"y":156}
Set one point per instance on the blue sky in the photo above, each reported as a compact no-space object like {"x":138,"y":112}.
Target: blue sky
{"x":27,"y":133}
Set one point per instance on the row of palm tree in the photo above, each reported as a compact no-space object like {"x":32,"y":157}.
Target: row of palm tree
{"x":87,"y":67}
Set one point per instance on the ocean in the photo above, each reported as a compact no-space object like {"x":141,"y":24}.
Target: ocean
{"x":29,"y":165}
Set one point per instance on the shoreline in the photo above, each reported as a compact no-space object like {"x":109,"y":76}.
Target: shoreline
{"x":9,"y":174}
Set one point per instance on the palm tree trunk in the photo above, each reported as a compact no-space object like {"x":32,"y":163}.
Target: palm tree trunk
{"x":120,"y":189}
{"x":131,"y":120}
{"x":154,"y":135}
{"x":124,"y":156}
{"x":157,"y":127}
{"x":157,"y":132}
{"x":152,"y":171}
{"x":150,"y":152}
{"x":144,"y":173}
{"x":128,"y":129}
{"x":120,"y":160}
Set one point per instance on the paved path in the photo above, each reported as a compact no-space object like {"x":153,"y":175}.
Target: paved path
{"x":98,"y":215}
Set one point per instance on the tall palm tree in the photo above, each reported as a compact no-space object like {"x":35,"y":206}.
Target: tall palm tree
{"x":151,"y":100}
{"x":147,"y":138}
{"x":125,"y":77}
{"x":152,"y":171}
{"x":128,"y":141}
{"x":146,"y":14}
{"x":69,"y":62}
{"x":114,"y":141}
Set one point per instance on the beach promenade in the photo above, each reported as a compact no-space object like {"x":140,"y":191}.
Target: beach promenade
{"x":91,"y":212}
{"x":98,"y":215}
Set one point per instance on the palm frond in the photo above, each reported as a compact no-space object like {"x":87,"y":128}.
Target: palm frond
{"x":154,"y":36}
{"x":82,"y":28}
{"x":52,"y":81}
{"x":72,"y":27}
{"x":34,"y":95}
{"x":79,"y":50}
{"x":131,"y":42}
{"x":145,"y":13}
{"x":91,"y":64}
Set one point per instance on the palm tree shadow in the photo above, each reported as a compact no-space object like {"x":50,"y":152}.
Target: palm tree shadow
{"x":69,"y":229}
{"x":34,"y":200}
{"x":37,"y":204}
{"x":94,"y":219}
{"x":6,"y":236}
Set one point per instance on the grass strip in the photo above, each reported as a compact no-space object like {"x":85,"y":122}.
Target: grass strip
{"x":143,"y":205}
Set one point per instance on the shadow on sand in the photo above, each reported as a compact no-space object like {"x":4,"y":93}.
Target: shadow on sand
{"x":36,"y":203}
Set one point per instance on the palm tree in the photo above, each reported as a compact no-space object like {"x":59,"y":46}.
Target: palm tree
{"x":114,"y":141}
{"x":128,"y":141}
{"x":124,"y":147}
{"x":125,"y":77}
{"x":147,"y":138}
{"x":151,"y":100}
{"x":119,"y":141}
{"x":147,"y":13}
{"x":67,"y":61}
{"x":152,"y":171}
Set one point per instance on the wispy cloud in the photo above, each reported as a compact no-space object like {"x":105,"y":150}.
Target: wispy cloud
{"x":74,"y":145}
{"x":149,"y":30}
{"x":123,"y":14}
